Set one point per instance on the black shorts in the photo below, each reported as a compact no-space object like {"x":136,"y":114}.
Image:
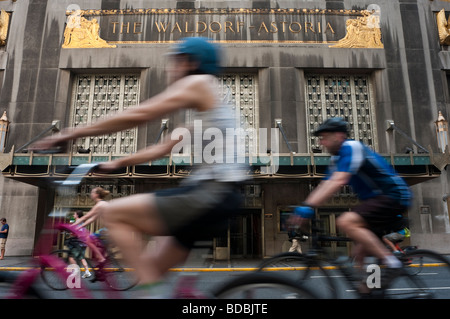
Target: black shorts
{"x":198,"y":212}
{"x":383,"y":214}
{"x":77,"y":252}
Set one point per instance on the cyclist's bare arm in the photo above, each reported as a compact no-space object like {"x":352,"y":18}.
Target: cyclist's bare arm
{"x":90,"y":216}
{"x":147,"y":154}
{"x":93,"y":217}
{"x":189,"y":92}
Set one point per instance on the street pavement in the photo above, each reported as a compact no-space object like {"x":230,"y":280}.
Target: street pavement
{"x":214,"y":273}
{"x":210,"y":272}
{"x":18,"y":263}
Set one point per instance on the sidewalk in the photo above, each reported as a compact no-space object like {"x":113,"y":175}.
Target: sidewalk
{"x":20,"y":263}
{"x":16,"y":263}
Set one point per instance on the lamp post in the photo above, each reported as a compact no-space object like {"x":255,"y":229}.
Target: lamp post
{"x":442,"y":132}
{"x":4,"y":126}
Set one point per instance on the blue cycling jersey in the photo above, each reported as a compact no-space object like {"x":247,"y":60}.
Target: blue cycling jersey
{"x":371,"y":174}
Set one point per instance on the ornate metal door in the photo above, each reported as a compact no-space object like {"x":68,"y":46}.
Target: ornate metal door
{"x":347,"y":96}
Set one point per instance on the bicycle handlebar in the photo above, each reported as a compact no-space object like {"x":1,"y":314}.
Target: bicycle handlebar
{"x":78,"y":174}
{"x":317,"y":237}
{"x":333,"y":238}
{"x":78,"y":232}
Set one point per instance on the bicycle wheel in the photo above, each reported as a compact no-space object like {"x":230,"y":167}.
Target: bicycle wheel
{"x":52,"y":278}
{"x":262,"y":286}
{"x":117,"y":276}
{"x":433,"y":281}
{"x":304,"y":269}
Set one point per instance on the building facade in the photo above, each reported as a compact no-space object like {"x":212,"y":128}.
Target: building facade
{"x":287,"y":66}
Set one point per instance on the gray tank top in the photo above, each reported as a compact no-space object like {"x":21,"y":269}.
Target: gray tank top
{"x":221,"y":156}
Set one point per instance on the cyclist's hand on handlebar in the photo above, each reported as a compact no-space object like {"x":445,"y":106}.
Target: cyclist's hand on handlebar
{"x":55,"y":142}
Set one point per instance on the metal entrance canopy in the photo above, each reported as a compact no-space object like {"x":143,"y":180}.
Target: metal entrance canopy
{"x":31,"y":168}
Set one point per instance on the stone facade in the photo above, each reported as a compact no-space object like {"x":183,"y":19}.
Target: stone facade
{"x":280,"y":43}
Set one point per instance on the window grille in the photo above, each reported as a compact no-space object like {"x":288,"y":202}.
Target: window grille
{"x":97,"y":96}
{"x":242,"y":92}
{"x":347,"y":96}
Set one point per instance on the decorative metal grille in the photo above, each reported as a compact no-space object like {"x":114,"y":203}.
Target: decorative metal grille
{"x":83,"y":198}
{"x":347,"y":96}
{"x":242,"y":91}
{"x":97,"y":96}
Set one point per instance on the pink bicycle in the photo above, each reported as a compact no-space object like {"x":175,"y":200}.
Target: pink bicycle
{"x":24,"y":285}
{"x":111,"y":271}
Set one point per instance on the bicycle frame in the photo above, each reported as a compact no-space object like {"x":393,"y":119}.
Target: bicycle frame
{"x":44,"y":259}
{"x":317,"y":259}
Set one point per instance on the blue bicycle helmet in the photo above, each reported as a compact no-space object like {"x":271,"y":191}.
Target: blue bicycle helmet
{"x":334,"y":124}
{"x":201,"y":50}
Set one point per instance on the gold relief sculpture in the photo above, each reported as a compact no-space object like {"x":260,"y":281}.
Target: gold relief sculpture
{"x":83,"y":33}
{"x":443,"y":28}
{"x":4,"y":23}
{"x":362,"y":32}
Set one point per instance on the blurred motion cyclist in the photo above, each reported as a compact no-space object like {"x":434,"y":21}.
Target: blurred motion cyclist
{"x":201,"y":206}
{"x":384,"y":196}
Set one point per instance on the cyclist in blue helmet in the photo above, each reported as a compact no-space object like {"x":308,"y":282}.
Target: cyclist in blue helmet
{"x":200,"y":51}
{"x":200,"y":207}
{"x":384,"y":196}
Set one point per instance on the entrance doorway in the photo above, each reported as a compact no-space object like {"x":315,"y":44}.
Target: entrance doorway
{"x":245,"y":234}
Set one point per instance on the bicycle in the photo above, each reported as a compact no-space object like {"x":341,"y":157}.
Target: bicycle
{"x":25,"y":285}
{"x":252,"y":285}
{"x":316,"y":269}
{"x":116,"y":276}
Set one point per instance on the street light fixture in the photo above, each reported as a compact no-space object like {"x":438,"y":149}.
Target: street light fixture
{"x":442,"y":132}
{"x":4,"y":127}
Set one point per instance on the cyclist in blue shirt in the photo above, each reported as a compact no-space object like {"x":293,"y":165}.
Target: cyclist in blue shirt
{"x":384,"y":196}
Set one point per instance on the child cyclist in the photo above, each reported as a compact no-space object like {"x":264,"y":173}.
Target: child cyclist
{"x":395,"y":237}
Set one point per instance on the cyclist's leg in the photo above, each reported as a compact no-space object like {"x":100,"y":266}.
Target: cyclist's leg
{"x":168,"y":254}
{"x":388,"y":243}
{"x":357,"y":229}
{"x":72,"y":260}
{"x":97,"y":253}
{"x":359,"y":253}
{"x":392,"y":240}
{"x":83,"y":260}
{"x":189,"y":212}
{"x":126,"y":219}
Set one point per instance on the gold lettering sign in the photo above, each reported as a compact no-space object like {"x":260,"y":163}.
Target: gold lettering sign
{"x":337,"y":28}
{"x":200,"y":27}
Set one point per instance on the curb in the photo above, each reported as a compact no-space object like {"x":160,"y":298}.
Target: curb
{"x":172,"y":269}
{"x":224,"y":269}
